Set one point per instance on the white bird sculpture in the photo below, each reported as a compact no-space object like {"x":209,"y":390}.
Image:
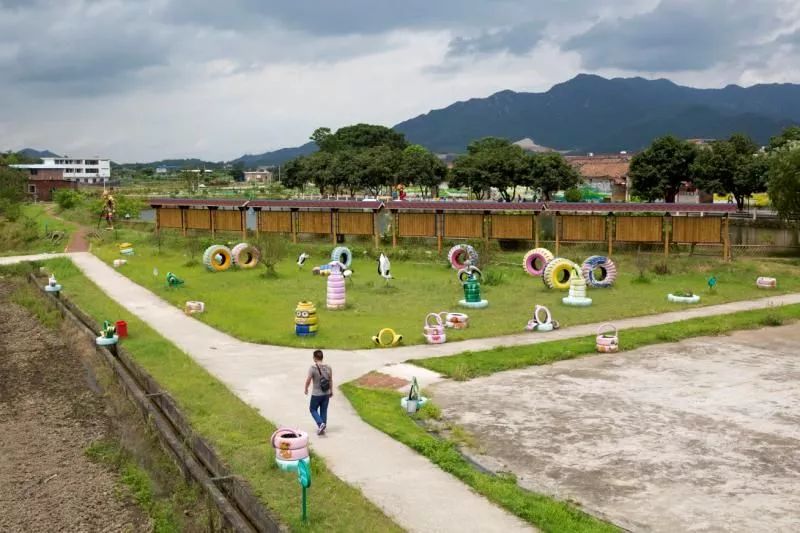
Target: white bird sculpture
{"x":301,"y":259}
{"x":383,"y":268}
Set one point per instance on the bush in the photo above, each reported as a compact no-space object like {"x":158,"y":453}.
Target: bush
{"x":573,"y":194}
{"x":662,"y":269}
{"x":67,"y":198}
{"x":10,"y":210}
{"x":273,"y":249}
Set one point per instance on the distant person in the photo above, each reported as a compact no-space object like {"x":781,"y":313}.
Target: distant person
{"x":321,"y":376}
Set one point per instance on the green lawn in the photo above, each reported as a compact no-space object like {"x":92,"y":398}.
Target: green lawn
{"x":259,"y":309}
{"x":28,"y":233}
{"x":381,"y":409}
{"x":239,"y":434}
{"x":469,"y":365}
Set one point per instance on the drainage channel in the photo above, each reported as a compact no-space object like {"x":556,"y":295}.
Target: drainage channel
{"x":232,"y":496}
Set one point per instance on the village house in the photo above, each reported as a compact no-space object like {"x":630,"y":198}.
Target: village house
{"x":606,"y":173}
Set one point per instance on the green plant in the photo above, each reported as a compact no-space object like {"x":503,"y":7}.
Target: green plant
{"x":662,"y":268}
{"x":683,"y":293}
{"x":273,"y":250}
{"x":67,"y":198}
{"x":493,"y":277}
{"x":573,"y":194}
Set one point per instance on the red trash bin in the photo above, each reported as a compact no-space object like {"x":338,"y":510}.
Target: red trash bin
{"x":122,"y":328}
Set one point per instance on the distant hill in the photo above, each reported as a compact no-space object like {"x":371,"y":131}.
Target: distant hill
{"x":176,"y":164}
{"x":278,"y":157}
{"x":591,"y":113}
{"x":33,"y":153}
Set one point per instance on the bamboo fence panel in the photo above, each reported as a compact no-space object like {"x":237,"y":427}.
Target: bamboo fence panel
{"x":697,"y":229}
{"x":639,"y":229}
{"x":512,"y":227}
{"x":314,"y":222}
{"x":583,"y":228}
{"x":275,"y":221}
{"x":416,"y":224}
{"x":466,"y":226}
{"x":198,"y":219}
{"x":169,"y":217}
{"x":355,"y":223}
{"x":228,"y":220}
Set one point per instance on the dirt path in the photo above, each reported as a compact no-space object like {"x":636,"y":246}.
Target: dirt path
{"x":48,"y":417}
{"x":78,"y":241}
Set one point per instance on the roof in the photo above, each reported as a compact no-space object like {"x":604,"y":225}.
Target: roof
{"x":315,"y":204}
{"x":463,"y":206}
{"x":656,"y":207}
{"x":194,"y":202}
{"x":612,"y":167}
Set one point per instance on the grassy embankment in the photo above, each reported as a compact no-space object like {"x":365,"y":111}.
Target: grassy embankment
{"x":28,"y":233}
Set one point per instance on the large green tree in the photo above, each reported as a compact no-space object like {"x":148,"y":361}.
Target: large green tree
{"x":420,"y":167}
{"x":657,"y":172}
{"x":789,"y":137}
{"x":784,"y":183}
{"x":733,"y":166}
{"x":492,"y":162}
{"x":551,"y":173}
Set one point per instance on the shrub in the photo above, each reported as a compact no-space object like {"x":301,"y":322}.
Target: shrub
{"x":67,"y":198}
{"x":493,"y":277}
{"x":772,"y":319}
{"x":573,"y":194}
{"x":273,"y":249}
{"x":662,"y":269}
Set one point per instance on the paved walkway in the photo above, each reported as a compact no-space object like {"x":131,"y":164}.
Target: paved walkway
{"x":270,"y":378}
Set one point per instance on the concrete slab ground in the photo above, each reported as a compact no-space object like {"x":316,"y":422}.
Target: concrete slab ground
{"x":701,"y":435}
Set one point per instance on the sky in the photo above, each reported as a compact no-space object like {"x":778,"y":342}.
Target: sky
{"x":141,"y":80}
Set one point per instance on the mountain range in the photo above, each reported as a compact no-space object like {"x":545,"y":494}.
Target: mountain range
{"x":590,"y":113}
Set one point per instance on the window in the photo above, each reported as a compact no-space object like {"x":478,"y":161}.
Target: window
{"x":32,"y":189}
{"x":91,"y":171}
{"x":34,"y":172}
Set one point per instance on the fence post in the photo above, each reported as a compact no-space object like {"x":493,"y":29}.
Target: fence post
{"x":439,"y":227}
{"x":395,"y":222}
{"x":726,"y":239}
{"x":610,"y":232}
{"x":376,"y":231}
{"x":557,"y":226}
{"x":158,"y":220}
{"x":183,"y":219}
{"x":257,"y":213}
{"x":536,"y":226}
{"x":212,"y":213}
{"x":666,"y":223}
{"x":334,"y":222}
{"x":294,"y":220}
{"x":243,"y":222}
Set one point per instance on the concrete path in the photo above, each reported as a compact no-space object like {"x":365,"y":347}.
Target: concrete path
{"x":14,"y":259}
{"x":270,"y":378}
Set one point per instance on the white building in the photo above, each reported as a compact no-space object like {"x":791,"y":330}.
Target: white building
{"x":81,"y":171}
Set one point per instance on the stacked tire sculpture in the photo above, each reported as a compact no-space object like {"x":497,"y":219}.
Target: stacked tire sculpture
{"x":343,"y":255}
{"x":433,"y":329}
{"x":766,"y":283}
{"x":217,"y":258}
{"x":305,"y":319}
{"x":462,"y":254}
{"x":577,"y":291}
{"x":336,"y":288}
{"x":541,"y":323}
{"x":536,"y":260}
{"x":291,"y":447}
{"x":245,"y":255}
{"x":558,"y":272}
{"x":607,"y":268}
{"x":607,"y":340}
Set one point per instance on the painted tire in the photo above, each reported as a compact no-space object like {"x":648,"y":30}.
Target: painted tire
{"x":289,"y":439}
{"x":306,"y":329}
{"x":245,"y":255}
{"x":404,"y":401}
{"x":436,"y":338}
{"x":606,"y":266}
{"x":683,"y":299}
{"x":460,"y":254}
{"x":217,"y":258}
{"x":557,"y":269}
{"x":343,"y":255}
{"x":548,"y":318}
{"x":291,"y":455}
{"x":290,"y":466}
{"x":766,"y":283}
{"x":613,"y":348}
{"x":540,"y":256}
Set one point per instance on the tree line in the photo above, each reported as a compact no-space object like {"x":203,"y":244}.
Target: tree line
{"x":370,"y":158}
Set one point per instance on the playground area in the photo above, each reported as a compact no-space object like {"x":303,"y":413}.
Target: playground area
{"x":261,"y":309}
{"x":695,"y":436}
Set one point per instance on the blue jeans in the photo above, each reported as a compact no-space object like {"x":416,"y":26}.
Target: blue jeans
{"x":319,"y":409}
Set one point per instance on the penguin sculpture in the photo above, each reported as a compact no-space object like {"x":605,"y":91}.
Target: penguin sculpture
{"x":301,"y":259}
{"x":384,"y":267}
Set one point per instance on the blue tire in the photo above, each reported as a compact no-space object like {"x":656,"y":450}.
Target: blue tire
{"x":343,"y":255}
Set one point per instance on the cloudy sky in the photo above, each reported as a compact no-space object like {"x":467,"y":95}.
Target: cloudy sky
{"x":138,"y":80}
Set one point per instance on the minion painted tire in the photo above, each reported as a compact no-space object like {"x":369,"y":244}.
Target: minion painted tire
{"x":460,"y":254}
{"x":302,"y":330}
{"x":540,"y":256}
{"x":245,"y":255}
{"x":343,"y":255}
{"x":211,"y":261}
{"x":606,"y":266}
{"x":554,"y":272}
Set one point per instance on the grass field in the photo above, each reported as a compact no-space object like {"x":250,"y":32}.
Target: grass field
{"x":28,"y":233}
{"x":381,"y":409}
{"x":258,"y":309}
{"x":239,"y":434}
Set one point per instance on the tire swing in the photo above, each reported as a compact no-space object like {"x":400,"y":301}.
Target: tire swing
{"x":245,"y":255}
{"x":557,"y":273}
{"x":460,"y":254}
{"x":217,"y":258}
{"x":343,"y":255}
{"x":536,"y":260}
{"x":607,"y":268}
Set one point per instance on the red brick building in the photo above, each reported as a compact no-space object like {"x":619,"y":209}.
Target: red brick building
{"x":605,"y":173}
{"x":43,"y":182}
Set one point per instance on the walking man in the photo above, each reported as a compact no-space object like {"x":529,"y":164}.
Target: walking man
{"x":321,"y":376}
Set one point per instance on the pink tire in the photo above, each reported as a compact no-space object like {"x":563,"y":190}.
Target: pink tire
{"x":611,"y":348}
{"x":289,"y":439}
{"x":536,"y":260}
{"x":291,"y":455}
{"x":436,"y":339}
{"x":460,"y":254}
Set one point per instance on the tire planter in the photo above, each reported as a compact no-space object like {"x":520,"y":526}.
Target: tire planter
{"x":766,"y":283}
{"x":541,"y":323}
{"x":536,"y":260}
{"x":291,"y":466}
{"x":433,"y":329}
{"x":404,"y":403}
{"x":693,"y":299}
{"x":291,"y":446}
{"x":387,"y":337}
{"x":607,"y":340}
{"x":456,"y":320}
{"x":245,"y":255}
{"x":217,"y":258}
{"x":343,"y":255}
{"x":558,"y":272}
{"x":607,"y":269}
{"x":460,"y":254}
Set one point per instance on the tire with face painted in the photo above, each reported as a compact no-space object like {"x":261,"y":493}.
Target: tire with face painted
{"x":536,"y":260}
{"x":343,"y":255}
{"x":289,"y":439}
{"x":245,"y":255}
{"x":460,"y":254}
{"x":599,"y":271}
{"x":558,"y":272}
{"x":217,"y":258}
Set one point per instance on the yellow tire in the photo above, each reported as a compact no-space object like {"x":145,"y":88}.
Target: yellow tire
{"x":558,"y":273}
{"x":217,"y":258}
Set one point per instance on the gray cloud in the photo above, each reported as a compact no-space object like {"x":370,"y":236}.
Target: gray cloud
{"x":516,"y":40}
{"x":678,"y":35}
